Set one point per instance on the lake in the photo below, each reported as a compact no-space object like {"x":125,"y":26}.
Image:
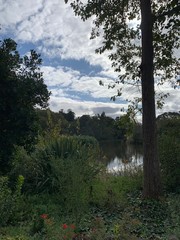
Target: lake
{"x":119,"y":156}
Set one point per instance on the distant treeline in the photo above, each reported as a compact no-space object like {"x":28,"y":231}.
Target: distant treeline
{"x":100,"y":126}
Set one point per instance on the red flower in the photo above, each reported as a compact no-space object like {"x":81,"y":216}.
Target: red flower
{"x":44,"y":216}
{"x":64,"y":226}
{"x":72,"y":226}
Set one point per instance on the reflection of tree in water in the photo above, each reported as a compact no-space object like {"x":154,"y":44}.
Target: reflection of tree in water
{"x":124,"y":152}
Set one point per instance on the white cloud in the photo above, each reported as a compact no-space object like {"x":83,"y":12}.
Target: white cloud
{"x":56,"y":32}
{"x":13,"y":12}
{"x":59,"y":76}
{"x":65,"y":80}
{"x":85,"y":107}
{"x":71,"y":80}
{"x":53,"y":24}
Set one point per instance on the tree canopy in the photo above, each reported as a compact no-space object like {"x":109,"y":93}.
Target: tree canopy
{"x":99,"y":126}
{"x":119,"y":23}
{"x":22,"y":89}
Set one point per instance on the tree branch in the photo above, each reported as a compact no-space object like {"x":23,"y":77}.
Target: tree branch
{"x":167,"y":13}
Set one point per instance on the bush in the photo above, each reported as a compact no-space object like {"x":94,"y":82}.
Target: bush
{"x":5,"y":201}
{"x":11,"y":202}
{"x":53,"y":160}
{"x":170,"y":162}
{"x":169,"y":153}
{"x":65,"y":166}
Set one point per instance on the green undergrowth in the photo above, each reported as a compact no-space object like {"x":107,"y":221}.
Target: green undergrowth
{"x":119,"y":214}
{"x":60,"y":191}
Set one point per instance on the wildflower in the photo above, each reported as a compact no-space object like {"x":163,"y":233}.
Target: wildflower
{"x":64,"y":226}
{"x":72,"y":226}
{"x":44,"y":216}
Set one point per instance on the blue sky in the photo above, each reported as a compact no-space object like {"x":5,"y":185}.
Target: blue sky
{"x":71,"y":68}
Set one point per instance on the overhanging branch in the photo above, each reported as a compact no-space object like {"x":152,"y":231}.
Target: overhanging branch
{"x":175,"y":10}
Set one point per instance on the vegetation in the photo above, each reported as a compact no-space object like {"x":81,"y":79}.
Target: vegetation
{"x":144,"y":51}
{"x":169,"y":148}
{"x":114,"y":209}
{"x":100,"y":126}
{"x":60,"y":190}
{"x":21,"y":90}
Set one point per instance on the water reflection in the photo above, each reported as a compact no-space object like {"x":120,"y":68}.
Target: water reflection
{"x":119,"y":155}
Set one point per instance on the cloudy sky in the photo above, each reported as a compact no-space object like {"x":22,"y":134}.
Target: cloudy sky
{"x":71,"y":68}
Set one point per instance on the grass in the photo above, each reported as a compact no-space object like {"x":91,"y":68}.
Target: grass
{"x":115,"y":211}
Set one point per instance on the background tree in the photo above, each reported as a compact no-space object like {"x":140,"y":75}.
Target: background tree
{"x":127,"y":124}
{"x":142,"y":51}
{"x":21,"y":89}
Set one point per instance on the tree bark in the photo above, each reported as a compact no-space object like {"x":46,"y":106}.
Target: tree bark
{"x":152,"y":183}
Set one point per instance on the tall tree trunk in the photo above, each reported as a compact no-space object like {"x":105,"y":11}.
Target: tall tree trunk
{"x":152,"y":183}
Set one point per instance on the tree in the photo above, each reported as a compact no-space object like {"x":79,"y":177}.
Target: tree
{"x":143,"y":51}
{"x":70,"y":116}
{"x":22,"y":88}
{"x":126,"y":124}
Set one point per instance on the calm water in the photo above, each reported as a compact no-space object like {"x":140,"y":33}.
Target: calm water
{"x":119,"y":156}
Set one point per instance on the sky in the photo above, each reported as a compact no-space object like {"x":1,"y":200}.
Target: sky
{"x":71,"y":68}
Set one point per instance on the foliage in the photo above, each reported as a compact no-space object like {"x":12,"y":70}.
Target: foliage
{"x":145,"y":219}
{"x":5,"y":201}
{"x":170,"y":161}
{"x":12,"y":206}
{"x":169,"y":150}
{"x":38,"y":225}
{"x":68,"y":231}
{"x":40,"y":168}
{"x":21,"y":90}
{"x":19,"y":237}
{"x":66,"y":165}
{"x":173,"y":222}
{"x":100,"y":126}
{"x":113,"y":20}
{"x":52,"y":124}
{"x":97,"y":229}
{"x":127,"y":124}
{"x":138,"y":53}
{"x":137,"y":219}
{"x":76,"y":190}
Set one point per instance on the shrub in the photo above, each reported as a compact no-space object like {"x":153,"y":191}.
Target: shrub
{"x":73,"y":168}
{"x":5,"y":201}
{"x":44,"y":167}
{"x":170,"y":162}
{"x":65,"y":166}
{"x":169,"y":153}
{"x":11,"y":202}
{"x":27,"y":165}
